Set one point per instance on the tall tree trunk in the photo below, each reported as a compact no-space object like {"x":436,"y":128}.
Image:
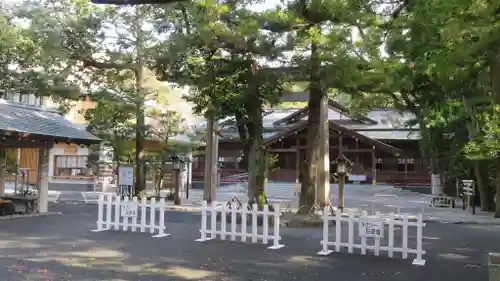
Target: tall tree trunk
{"x":472,"y":131}
{"x":310,"y":165}
{"x":116,"y":169}
{"x":495,"y":87}
{"x":241,"y":125}
{"x":256,"y":163}
{"x":140,"y":178}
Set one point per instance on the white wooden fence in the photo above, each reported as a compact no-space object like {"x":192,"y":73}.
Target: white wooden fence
{"x":232,"y":231}
{"x":112,"y":213}
{"x":373,"y":228}
{"x":94,"y":197}
{"x":441,"y":201}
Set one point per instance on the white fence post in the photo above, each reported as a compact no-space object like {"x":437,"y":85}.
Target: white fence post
{"x":404,"y":253}
{"x":244,"y":212}
{"x":109,"y":209}
{"x":390,"y":251}
{"x":364,"y":216}
{"x":223,"y":218}
{"x":373,"y":228}
{"x":203,"y":230}
{"x":255,"y":214}
{"x":100,"y":216}
{"x":124,"y":217}
{"x":134,"y":218}
{"x":152,"y":216}
{"x":276,"y":228}
{"x":116,"y":222}
{"x":209,"y":232}
{"x":161,"y":222}
{"x":144,"y":205}
{"x":234,"y":211}
{"x":326,"y":227}
{"x":213,"y":220}
{"x":420,"y":225}
{"x":265,"y":225}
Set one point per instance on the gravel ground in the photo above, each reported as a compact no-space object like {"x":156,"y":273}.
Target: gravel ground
{"x":61,"y":247}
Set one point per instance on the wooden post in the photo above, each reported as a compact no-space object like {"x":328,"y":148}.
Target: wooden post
{"x":297,"y":161}
{"x":208,"y":171}
{"x":323,"y":195}
{"x":340,"y":144}
{"x":341,"y":191}
{"x":374,"y":168}
{"x":43,"y":180}
{"x":405,"y":159}
{"x":494,"y":266}
{"x":176,"y":180}
{"x":215,"y":163}
{"x":2,"y":170}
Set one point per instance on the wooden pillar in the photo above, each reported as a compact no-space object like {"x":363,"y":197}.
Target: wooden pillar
{"x":340,"y":144}
{"x":374,"y":167}
{"x":2,"y":170}
{"x":210,"y":171}
{"x":297,"y":161}
{"x":43,"y":180}
{"x":357,"y":153}
{"x":323,"y":190}
{"x":405,"y":159}
{"x":215,"y":163}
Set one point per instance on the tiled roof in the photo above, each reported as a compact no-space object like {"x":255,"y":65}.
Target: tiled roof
{"x":391,"y":135}
{"x":16,"y":117}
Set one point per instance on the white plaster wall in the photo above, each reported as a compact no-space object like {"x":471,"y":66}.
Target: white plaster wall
{"x":60,"y":151}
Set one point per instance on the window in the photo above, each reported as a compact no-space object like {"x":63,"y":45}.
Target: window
{"x":410,"y":166}
{"x":71,"y":165}
{"x":228,"y":162}
{"x":379,"y":164}
{"x":198,"y":162}
{"x":401,"y":164}
{"x":406,"y":164}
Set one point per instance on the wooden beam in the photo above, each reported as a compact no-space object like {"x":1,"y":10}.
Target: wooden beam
{"x":26,"y":143}
{"x":344,"y":149}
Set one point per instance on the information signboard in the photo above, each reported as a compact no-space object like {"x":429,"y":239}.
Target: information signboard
{"x":371,"y":228}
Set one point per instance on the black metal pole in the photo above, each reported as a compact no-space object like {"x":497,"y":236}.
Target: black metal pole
{"x":473,"y":204}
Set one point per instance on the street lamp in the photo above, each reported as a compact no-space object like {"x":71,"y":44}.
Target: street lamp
{"x":342,"y":167}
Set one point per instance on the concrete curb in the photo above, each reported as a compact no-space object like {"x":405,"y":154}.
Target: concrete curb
{"x":183,"y":208}
{"x":462,"y":222}
{"x":12,"y":217}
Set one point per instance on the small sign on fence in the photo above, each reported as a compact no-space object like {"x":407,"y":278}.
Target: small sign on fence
{"x":128,"y":209}
{"x":371,"y":228}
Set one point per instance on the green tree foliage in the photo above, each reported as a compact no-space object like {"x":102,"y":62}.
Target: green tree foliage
{"x":27,"y":63}
{"x":99,"y":42}
{"x":441,"y":66}
{"x":219,"y":53}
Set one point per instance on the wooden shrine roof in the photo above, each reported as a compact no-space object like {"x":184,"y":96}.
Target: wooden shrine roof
{"x":337,"y":127}
{"x":20,"y":121}
{"x":296,"y":116}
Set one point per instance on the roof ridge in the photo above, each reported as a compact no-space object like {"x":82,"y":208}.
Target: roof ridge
{"x":27,"y":106}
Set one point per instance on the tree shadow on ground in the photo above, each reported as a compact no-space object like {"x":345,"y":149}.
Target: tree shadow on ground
{"x":63,"y":248}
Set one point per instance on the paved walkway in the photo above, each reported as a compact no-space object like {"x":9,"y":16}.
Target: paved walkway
{"x":62,"y":248}
{"x":365,"y":197}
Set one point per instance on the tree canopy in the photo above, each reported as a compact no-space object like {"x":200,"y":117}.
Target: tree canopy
{"x":436,"y":59}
